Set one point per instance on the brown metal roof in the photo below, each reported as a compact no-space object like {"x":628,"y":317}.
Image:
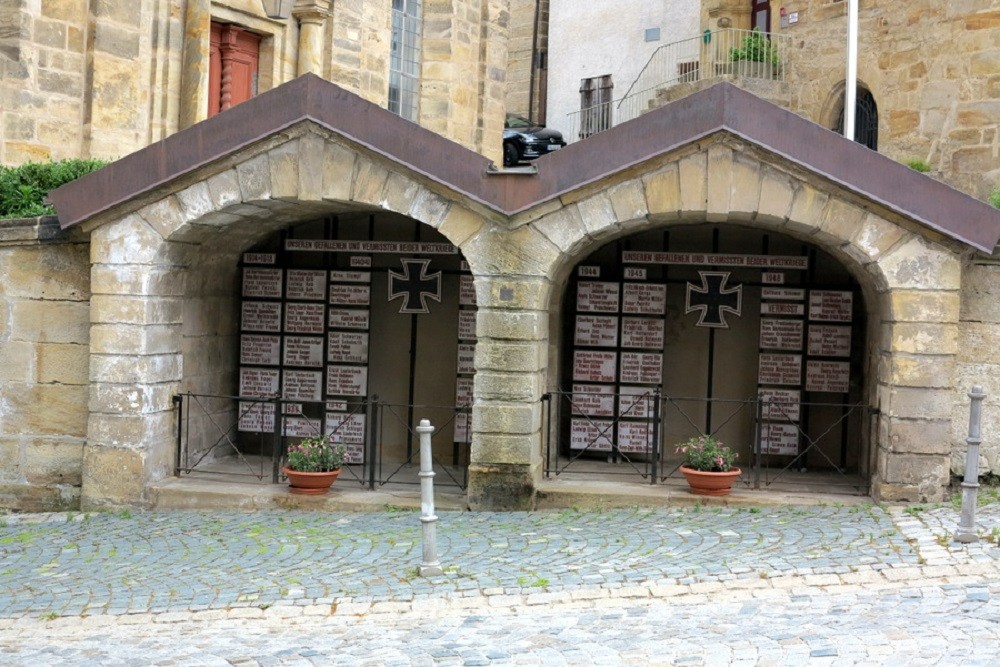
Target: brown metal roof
{"x":721,"y":108}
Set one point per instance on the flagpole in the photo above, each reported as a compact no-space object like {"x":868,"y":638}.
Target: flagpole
{"x":851,"y":79}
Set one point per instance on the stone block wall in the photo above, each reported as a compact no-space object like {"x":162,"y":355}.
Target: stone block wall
{"x":44,"y":364}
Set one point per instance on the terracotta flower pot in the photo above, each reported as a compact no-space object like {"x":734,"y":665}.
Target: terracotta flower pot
{"x":710,"y":483}
{"x":310,"y":483}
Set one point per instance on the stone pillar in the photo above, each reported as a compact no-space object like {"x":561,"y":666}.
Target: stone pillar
{"x":312,"y":27}
{"x":197,"y":43}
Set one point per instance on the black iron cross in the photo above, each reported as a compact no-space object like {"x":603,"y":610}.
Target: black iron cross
{"x":412,"y":288}
{"x":714,"y":299}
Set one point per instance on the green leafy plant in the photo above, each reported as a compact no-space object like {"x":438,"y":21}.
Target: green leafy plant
{"x":316,"y":453}
{"x":707,"y":454}
{"x":23,"y":189}
{"x":918,"y":165}
{"x":755,"y":47}
{"x":995,"y":197}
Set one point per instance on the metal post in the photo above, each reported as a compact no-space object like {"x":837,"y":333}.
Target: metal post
{"x":430,"y":565}
{"x":970,"y":486}
{"x":656,"y":435}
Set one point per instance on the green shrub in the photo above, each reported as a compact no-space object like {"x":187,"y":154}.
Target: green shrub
{"x":23,"y":188}
{"x":995,"y":197}
{"x":918,"y":165}
{"x":756,"y":47}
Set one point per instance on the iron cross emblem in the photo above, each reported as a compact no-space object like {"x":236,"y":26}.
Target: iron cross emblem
{"x":714,"y":299}
{"x":412,"y":288}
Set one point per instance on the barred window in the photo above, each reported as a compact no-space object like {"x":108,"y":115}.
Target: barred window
{"x":595,"y":105}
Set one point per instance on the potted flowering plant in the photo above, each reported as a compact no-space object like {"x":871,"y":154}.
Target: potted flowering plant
{"x":313,"y":464}
{"x":708,"y":465}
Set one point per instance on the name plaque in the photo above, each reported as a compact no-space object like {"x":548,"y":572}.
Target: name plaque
{"x":594,"y":366}
{"x":597,"y":297}
{"x":346,"y":380}
{"x":462,"y":431}
{"x":635,"y":437}
{"x":466,"y":359}
{"x":781,"y":334}
{"x":596,"y":331}
{"x":466,"y":325}
{"x":305,"y":318}
{"x":779,"y":439}
{"x":304,"y":351}
{"x":256,"y":417}
{"x":786,"y":293}
{"x":299,"y":427}
{"x":342,"y":318}
{"x":463,"y":392}
{"x":261,"y":283}
{"x":260,"y":350}
{"x":350,"y":295}
{"x":644,"y":299}
{"x":782,"y":309}
{"x":346,"y":428}
{"x":350,"y":277}
{"x":302,"y":386}
{"x":641,"y":367}
{"x":259,"y":382}
{"x":828,"y":306}
{"x":348,"y":346}
{"x":593,"y":436}
{"x":260,"y":316}
{"x":642,"y":332}
{"x":593,"y":400}
{"x":466,"y":291}
{"x":306,"y":285}
{"x":780,"y":404}
{"x":780,"y":369}
{"x":832,"y":376}
{"x":827,"y":340}
{"x":635,"y":402}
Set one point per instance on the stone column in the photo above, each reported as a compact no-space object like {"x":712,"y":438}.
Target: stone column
{"x":194,"y":77}
{"x":312,"y":27}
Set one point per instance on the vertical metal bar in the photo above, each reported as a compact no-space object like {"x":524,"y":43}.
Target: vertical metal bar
{"x":970,"y":485}
{"x":656,"y":436}
{"x":547,"y":400}
{"x":755,"y":453}
{"x":430,"y":564}
{"x":276,"y":449}
{"x":372,"y":439}
{"x":179,"y":402}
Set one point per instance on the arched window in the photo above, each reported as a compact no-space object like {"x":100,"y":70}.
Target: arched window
{"x":865,"y":119}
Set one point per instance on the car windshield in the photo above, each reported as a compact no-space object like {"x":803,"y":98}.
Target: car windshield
{"x":516,"y":122}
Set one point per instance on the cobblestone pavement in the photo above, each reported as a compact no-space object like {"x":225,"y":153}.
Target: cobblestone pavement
{"x":823,"y":585}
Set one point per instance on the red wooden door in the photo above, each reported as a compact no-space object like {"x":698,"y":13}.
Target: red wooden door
{"x":233,"y":61}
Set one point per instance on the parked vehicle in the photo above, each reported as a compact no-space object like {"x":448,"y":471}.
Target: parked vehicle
{"x":524,"y":140}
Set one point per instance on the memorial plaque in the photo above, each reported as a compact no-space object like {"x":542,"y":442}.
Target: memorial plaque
{"x":336,"y":406}
{"x":306,"y":285}
{"x":644,"y":299}
{"x":256,"y":417}
{"x":779,"y":439}
{"x":780,"y":369}
{"x":343,"y":318}
{"x":261,"y":316}
{"x":725,"y":260}
{"x":259,"y":258}
{"x":463,"y":392}
{"x":462,"y":431}
{"x":832,"y":376}
{"x":635,"y":402}
{"x":257,"y":350}
{"x":467,"y":325}
{"x":783,"y":293}
{"x":259,"y":382}
{"x":780,"y":334}
{"x":261,"y":283}
{"x":641,"y":367}
{"x":305,"y":318}
{"x":304,"y":351}
{"x":466,"y":291}
{"x":361,"y":262}
{"x":345,"y":428}
{"x":593,"y":436}
{"x":594,"y":400}
{"x":466,"y":359}
{"x":350,"y":295}
{"x":291,"y":408}
{"x":348,"y":346}
{"x":826,"y":340}
{"x":596,"y":331}
{"x":589,"y":271}
{"x":772,"y":278}
{"x":780,"y":404}
{"x":300,"y":427}
{"x":634,"y":273}
{"x":635,"y":437}
{"x":391,"y":247}
{"x":597,"y":297}
{"x":798,"y":309}
{"x":346,"y":380}
{"x":302,"y":386}
{"x":350,"y":277}
{"x":594,"y":366}
{"x":642,"y":332}
{"x":828,"y":306}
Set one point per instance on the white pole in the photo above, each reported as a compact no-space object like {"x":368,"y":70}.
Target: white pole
{"x":851,"y":80}
{"x":430,"y":565}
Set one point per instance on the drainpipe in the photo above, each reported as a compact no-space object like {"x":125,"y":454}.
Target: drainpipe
{"x":851,"y":80}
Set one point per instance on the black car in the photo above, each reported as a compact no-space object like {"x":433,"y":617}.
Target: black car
{"x":523,"y":140}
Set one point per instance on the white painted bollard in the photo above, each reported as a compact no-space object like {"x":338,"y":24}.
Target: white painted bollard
{"x":430,"y":565}
{"x":970,"y":485}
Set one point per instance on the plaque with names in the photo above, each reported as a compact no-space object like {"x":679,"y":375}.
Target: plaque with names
{"x":259,"y":382}
{"x":780,"y":404}
{"x":642,"y":332}
{"x":307,"y":318}
{"x":797,"y":309}
{"x":463,"y":392}
{"x":361,"y":262}
{"x":588,"y":271}
{"x":261,"y":283}
{"x":304,"y":351}
{"x":306,"y":285}
{"x":348,"y":346}
{"x":594,"y":400}
{"x":261,"y":316}
{"x":299,"y":427}
{"x":256,"y":417}
{"x":593,"y":436}
{"x":597,"y":297}
{"x":781,"y":334}
{"x":596,"y":331}
{"x":829,"y":306}
{"x":644,"y":299}
{"x":302,"y":386}
{"x":466,"y":291}
{"x":350,"y":295}
{"x":641,"y":367}
{"x":257,"y":350}
{"x":466,"y":359}
{"x":832,"y":376}
{"x":346,"y":428}
{"x":259,"y":258}
{"x":635,"y":402}
{"x":779,"y":439}
{"x":346,"y":380}
{"x":780,"y":369}
{"x":783,"y":293}
{"x":350,"y":277}
{"x":826,"y":340}
{"x":343,"y":318}
{"x":462,"y":428}
{"x":594,"y":366}
{"x":635,"y":437}
{"x":466,"y":325}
